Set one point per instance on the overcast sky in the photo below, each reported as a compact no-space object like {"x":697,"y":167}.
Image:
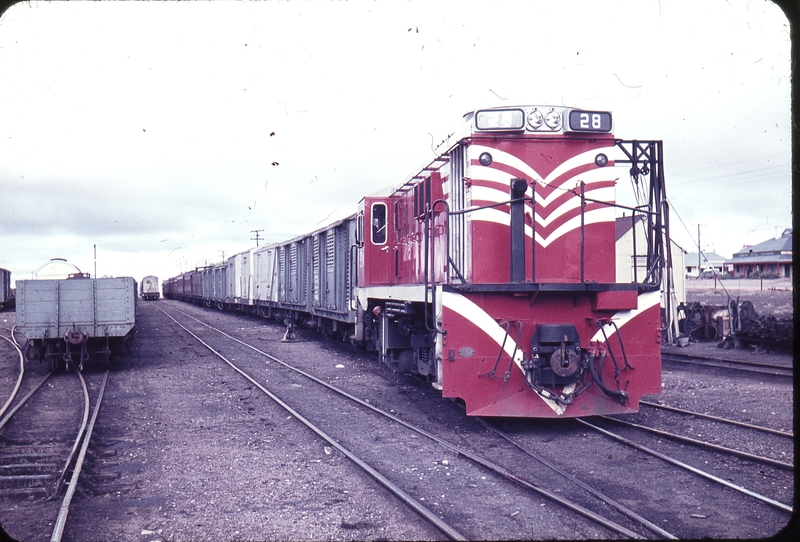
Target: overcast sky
{"x":165,"y":132}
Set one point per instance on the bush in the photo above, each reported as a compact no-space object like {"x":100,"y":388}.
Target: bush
{"x":763,"y":275}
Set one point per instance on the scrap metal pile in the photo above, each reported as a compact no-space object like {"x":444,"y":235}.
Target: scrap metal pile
{"x":737,"y":324}
{"x":750,"y":328}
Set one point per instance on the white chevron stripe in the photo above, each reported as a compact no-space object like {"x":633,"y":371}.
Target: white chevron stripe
{"x":592,"y":216}
{"x":647,"y":300}
{"x":508,"y":159}
{"x":588,"y":177}
{"x":477,"y":316}
{"x":488,"y":174}
{"x":602,"y":194}
{"x":483,"y":193}
{"x":503,"y":157}
{"x":488,"y":325}
{"x":581,"y":159}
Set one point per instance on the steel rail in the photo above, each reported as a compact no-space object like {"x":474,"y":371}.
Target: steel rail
{"x":620,"y":507}
{"x":382,"y":480}
{"x":704,"y":444}
{"x":81,"y":430}
{"x":701,"y":473}
{"x":747,"y":366}
{"x":460,"y":451}
{"x":58,"y":530}
{"x":718,"y":419}
{"x":19,"y":405}
{"x":13,"y":338}
{"x":19,"y":379}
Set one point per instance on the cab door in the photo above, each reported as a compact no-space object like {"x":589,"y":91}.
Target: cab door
{"x":377,"y":254}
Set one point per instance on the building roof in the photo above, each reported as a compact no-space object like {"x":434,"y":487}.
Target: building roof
{"x":623,"y":224}
{"x":772,"y":250}
{"x":707,"y":257}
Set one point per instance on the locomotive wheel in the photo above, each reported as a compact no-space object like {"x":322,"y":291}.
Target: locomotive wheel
{"x":400,"y":360}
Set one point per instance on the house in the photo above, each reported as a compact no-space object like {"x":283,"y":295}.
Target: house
{"x":707,"y":261}
{"x":773,"y":256}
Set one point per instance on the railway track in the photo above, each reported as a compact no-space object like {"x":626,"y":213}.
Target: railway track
{"x":656,"y":451}
{"x":589,"y":503}
{"x":41,"y":455}
{"x":729,"y":431}
{"x":760,"y":367}
{"x":642,"y":468}
{"x":718,"y":419}
{"x":249,"y":463}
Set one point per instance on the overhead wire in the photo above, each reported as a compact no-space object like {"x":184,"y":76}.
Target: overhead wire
{"x":699,"y":250}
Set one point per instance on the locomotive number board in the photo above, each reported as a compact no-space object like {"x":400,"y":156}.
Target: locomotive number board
{"x":589,"y":121}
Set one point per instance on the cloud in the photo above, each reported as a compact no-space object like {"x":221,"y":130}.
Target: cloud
{"x":134,"y":141}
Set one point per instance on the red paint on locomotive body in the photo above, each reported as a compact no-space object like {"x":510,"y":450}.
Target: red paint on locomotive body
{"x":557,"y":170}
{"x":479,"y":326}
{"x":377,"y":250}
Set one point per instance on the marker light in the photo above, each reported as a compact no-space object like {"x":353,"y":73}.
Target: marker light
{"x":601,"y":160}
{"x":485,"y":159}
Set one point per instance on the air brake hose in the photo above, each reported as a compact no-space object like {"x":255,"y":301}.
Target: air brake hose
{"x":620,"y":395}
{"x":622,"y":346}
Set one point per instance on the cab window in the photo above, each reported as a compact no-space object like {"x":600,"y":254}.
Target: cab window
{"x":378,"y":223}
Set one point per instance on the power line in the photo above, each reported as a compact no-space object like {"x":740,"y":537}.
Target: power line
{"x":256,"y":238}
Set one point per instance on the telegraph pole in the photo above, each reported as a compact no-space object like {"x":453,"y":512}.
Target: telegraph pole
{"x":699,"y":251}
{"x":256,"y":238}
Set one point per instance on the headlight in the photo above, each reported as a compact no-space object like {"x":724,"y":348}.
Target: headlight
{"x":535,"y":119}
{"x":553,"y":119}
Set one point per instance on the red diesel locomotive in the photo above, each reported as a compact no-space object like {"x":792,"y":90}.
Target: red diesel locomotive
{"x":494,"y":270}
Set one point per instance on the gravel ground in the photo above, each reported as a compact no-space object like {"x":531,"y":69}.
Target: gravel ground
{"x":769,"y":296}
{"x":216,"y":460}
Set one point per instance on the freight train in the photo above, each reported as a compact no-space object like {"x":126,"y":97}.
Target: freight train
{"x":491,"y":271}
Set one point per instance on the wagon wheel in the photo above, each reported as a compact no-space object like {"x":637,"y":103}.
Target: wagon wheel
{"x":46,"y":353}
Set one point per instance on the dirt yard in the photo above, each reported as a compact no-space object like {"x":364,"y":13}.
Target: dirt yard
{"x":769,"y":296}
